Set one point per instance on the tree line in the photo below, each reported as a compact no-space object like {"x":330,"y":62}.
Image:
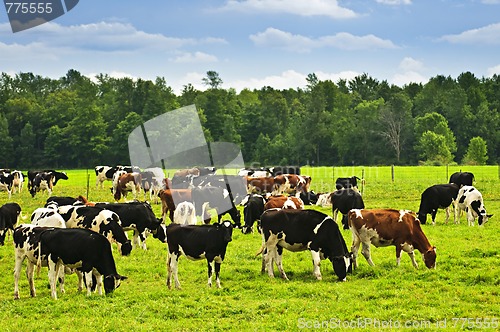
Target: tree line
{"x":76,"y":122}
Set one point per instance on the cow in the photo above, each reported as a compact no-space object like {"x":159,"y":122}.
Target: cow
{"x":260,"y":185}
{"x":283,"y":202}
{"x":309,"y":197}
{"x":128,"y":182}
{"x":170,"y":197}
{"x":470,"y":200}
{"x":253,"y":207}
{"x":99,"y":220}
{"x":462,"y":178}
{"x":215,"y":198}
{"x":324,"y":200}
{"x":9,"y":216}
{"x":278,"y":170}
{"x":56,"y":176}
{"x":139,"y":217}
{"x":106,"y":173}
{"x":152,"y":181}
{"x":298,"y":183}
{"x":6,"y":182}
{"x":17,"y":181}
{"x":68,"y":200}
{"x":343,"y":200}
{"x":197,"y":242}
{"x":185,"y":214}
{"x":385,"y":227}
{"x":299,"y":230}
{"x":255,"y":172}
{"x":236,"y":185}
{"x":438,"y":196}
{"x":183,"y":177}
{"x":348,"y":183}
{"x":48,"y":217}
{"x":83,"y":249}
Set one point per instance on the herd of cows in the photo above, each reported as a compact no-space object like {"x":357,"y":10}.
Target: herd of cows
{"x":73,"y":235}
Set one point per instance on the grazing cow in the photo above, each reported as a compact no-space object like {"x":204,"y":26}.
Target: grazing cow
{"x":470,"y":200}
{"x":139,"y":217}
{"x":183,"y":177}
{"x":299,"y":230}
{"x":152,"y":181}
{"x":298,"y":183}
{"x":197,"y":242}
{"x":309,"y":197}
{"x":6,"y":182}
{"x":385,"y":227}
{"x":215,"y":198}
{"x":128,"y":182}
{"x":106,"y":173}
{"x":170,"y":197}
{"x":253,"y":207}
{"x":462,"y":178}
{"x":438,"y":196}
{"x":67,"y":200}
{"x":9,"y":216}
{"x":348,"y":183}
{"x":83,"y":249}
{"x":283,"y":202}
{"x":48,"y":217}
{"x":324,"y":200}
{"x":99,"y":220}
{"x":185,"y":214}
{"x":56,"y":176}
{"x":236,"y":185}
{"x":343,"y":200}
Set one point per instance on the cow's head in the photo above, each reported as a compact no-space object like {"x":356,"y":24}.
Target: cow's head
{"x":112,"y":282}
{"x":422,"y":217}
{"x":342,"y":265}
{"x":227,"y":227}
{"x":430,"y":258}
{"x":483,"y":218}
{"x":160,"y":233}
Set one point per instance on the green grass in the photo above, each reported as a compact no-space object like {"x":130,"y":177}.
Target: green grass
{"x":465,"y":283}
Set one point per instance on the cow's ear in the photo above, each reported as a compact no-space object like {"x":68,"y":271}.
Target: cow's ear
{"x":121,"y":277}
{"x":489,"y":215}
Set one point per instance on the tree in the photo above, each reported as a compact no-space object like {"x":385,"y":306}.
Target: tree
{"x":477,"y":152}
{"x":6,"y":141}
{"x":213,"y":80}
{"x":433,"y":147}
{"x":437,"y":124}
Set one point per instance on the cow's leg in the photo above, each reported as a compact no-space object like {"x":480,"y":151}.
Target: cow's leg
{"x":217,"y":264}
{"x":356,"y":242}
{"x":17,"y":273}
{"x":173,"y":261}
{"x":264,"y":257}
{"x":433,"y":214}
{"x":142,"y":238}
{"x":470,"y":216}
{"x":30,"y":274}
{"x":88,"y":281}
{"x":53,"y":274}
{"x":80,"y":280}
{"x":60,"y":277}
{"x":316,"y":263}
{"x":99,"y":280}
{"x":279,"y":261}
{"x":209,"y":264}
{"x":447,"y":210}
{"x":408,"y":248}
{"x":367,"y":253}
{"x":398,"y":255}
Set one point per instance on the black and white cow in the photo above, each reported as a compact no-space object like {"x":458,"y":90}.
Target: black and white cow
{"x":99,"y":220}
{"x":139,"y":217}
{"x":185,"y":214}
{"x":88,"y":251}
{"x":9,"y":216}
{"x":48,"y":217}
{"x":44,"y":180}
{"x":6,"y":182}
{"x":253,"y":208}
{"x":66,"y":200}
{"x":347,"y":183}
{"x":344,"y":200}
{"x":18,"y":181}
{"x":299,"y":230}
{"x":215,"y":198}
{"x":152,"y":181}
{"x":438,"y":196}
{"x":105,"y":173}
{"x":470,"y":200}
{"x":462,"y":178}
{"x":197,"y":242}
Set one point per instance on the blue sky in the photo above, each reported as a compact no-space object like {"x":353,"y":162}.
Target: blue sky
{"x":256,"y":43}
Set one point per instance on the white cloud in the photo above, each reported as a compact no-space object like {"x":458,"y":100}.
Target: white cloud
{"x":489,"y":34}
{"x":410,"y":72}
{"x":491,"y":2}
{"x":494,"y":70}
{"x":196,"y":57}
{"x":329,"y":8}
{"x":410,"y":64}
{"x":395,"y":2}
{"x":297,"y":43}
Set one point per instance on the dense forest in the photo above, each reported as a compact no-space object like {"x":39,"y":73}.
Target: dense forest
{"x":75,"y":121}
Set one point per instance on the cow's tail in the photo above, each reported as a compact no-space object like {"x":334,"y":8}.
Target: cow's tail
{"x":261,"y":249}
{"x":39,"y":260}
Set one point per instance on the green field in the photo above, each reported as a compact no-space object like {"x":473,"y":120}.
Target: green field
{"x":462,"y":292}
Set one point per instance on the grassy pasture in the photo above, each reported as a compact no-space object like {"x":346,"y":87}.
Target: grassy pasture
{"x":464,"y":285}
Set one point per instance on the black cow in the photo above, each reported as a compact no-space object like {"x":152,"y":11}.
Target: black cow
{"x":439,"y":196}
{"x":197,"y":242}
{"x":139,"y":217}
{"x":9,"y":215}
{"x":462,"y":178}
{"x":83,"y":249}
{"x":344,"y":200}
{"x":6,"y":181}
{"x":253,"y":207}
{"x":99,"y":220}
{"x":235,"y":184}
{"x":298,"y":230}
{"x":215,"y":198}
{"x":309,"y":198}
{"x":347,"y":183}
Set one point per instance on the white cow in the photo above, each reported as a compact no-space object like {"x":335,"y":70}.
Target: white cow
{"x":470,"y":200}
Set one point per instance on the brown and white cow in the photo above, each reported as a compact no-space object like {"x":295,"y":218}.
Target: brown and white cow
{"x":128,"y":182}
{"x":283,"y":202}
{"x":260,"y":185}
{"x":385,"y":227}
{"x":170,"y":197}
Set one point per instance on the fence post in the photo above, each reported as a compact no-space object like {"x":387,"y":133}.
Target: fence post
{"x":88,"y":183}
{"x":392,"y":173}
{"x":362,"y":181}
{"x":447,"y":172}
